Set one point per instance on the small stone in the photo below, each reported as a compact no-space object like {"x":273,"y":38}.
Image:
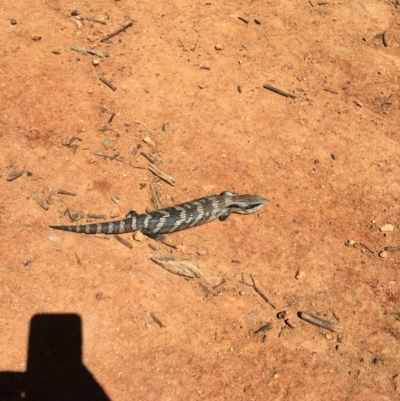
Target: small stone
{"x":74,"y":13}
{"x":148,"y":140}
{"x":328,"y":336}
{"x":383,"y":254}
{"x":358,"y":103}
{"x":282,"y":315}
{"x":95,"y":62}
{"x":201,"y":252}
{"x":350,"y":242}
{"x":387,"y":228}
{"x":138,"y":236}
{"x":13,"y":21}
{"x":299,"y":275}
{"x":36,"y":38}
{"x":115,"y":213}
{"x":90,"y":91}
{"x":218,"y":47}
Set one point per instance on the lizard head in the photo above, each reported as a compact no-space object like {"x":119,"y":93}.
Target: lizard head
{"x":245,"y":204}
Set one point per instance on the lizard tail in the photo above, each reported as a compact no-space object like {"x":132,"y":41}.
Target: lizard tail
{"x":112,"y":227}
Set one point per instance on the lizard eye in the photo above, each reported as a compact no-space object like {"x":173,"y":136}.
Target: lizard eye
{"x":252,"y":206}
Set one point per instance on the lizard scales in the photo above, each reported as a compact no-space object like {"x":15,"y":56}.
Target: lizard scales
{"x":176,"y":218}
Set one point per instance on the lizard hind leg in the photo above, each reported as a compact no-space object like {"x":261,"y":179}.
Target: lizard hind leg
{"x":131,"y":214}
{"x":225,"y":215}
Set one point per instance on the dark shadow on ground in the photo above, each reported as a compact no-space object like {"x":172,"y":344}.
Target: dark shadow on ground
{"x":55,"y":369}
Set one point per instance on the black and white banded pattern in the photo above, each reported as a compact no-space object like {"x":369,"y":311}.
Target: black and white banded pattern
{"x":176,"y":218}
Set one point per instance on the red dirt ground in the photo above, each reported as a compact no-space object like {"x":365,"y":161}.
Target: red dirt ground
{"x":328,"y":161}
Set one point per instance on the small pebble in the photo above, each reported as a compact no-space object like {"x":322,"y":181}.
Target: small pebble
{"x":299,"y":275}
{"x":36,"y":38}
{"x":387,"y":228}
{"x":219,"y":47}
{"x":115,"y":213}
{"x":74,"y":13}
{"x":383,"y":254}
{"x":350,"y":242}
{"x":201,"y":252}
{"x":328,"y":336}
{"x":96,"y":62}
{"x":13,"y":21}
{"x":148,"y":140}
{"x":138,"y":236}
{"x":53,"y":238}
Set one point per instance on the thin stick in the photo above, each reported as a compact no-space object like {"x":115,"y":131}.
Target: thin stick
{"x":100,"y":22}
{"x":149,"y":130}
{"x":111,"y":118}
{"x":118,"y":160}
{"x":384,"y":39}
{"x":386,"y":101}
{"x":62,"y":192}
{"x":244,"y":20}
{"x":257,"y":290}
{"x":365,"y":247}
{"x":108,"y":83}
{"x":110,"y":35}
{"x":78,"y":259}
{"x":122,"y":241}
{"x":147,"y":157}
{"x":155,"y":170}
{"x":263,"y":329}
{"x":157,"y":320}
{"x":279,"y":91}
{"x":331,"y":91}
{"x":222,"y":282}
{"x":87,"y":51}
{"x":166,"y":243}
{"x":154,"y":196}
{"x":392,"y":248}
{"x":319,"y":322}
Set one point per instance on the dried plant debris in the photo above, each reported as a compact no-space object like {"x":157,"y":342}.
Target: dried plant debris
{"x":319,"y":322}
{"x":41,"y":201}
{"x":161,"y":174}
{"x":182,"y":267}
{"x":14,"y":175}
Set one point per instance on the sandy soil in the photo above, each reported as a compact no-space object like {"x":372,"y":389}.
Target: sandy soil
{"x":326,"y":158}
